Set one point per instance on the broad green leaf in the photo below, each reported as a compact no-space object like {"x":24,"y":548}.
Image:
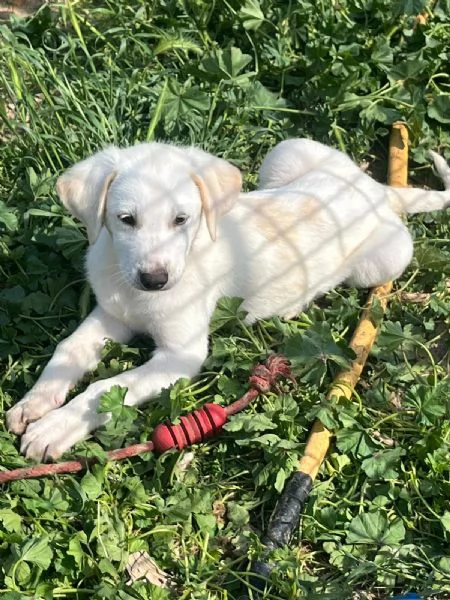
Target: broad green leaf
{"x":382,"y":51}
{"x":36,"y":551}
{"x":394,"y":335}
{"x":444,"y":566}
{"x":327,"y":516}
{"x":40,"y":212}
{"x":262,"y":97}
{"x":200,"y":502}
{"x":431,"y":402}
{"x":12,"y":295}
{"x":268,"y":439}
{"x":91,"y":486}
{"x":228,"y":312}
{"x":408,"y":69}
{"x":228,"y":64}
{"x":315,"y":349}
{"x":8,"y":217}
{"x":44,"y":591}
{"x":428,"y":257}
{"x":354,"y":441}
{"x":237,"y":514}
{"x":10,"y":520}
{"x":22,"y":573}
{"x":70,"y":239}
{"x":75,"y":548}
{"x":439,"y":109}
{"x":445,"y":520}
{"x":373,"y":527}
{"x":376,"y":311}
{"x":112,"y":401}
{"x":183,"y":100}
{"x":229,"y":387}
{"x":280,"y":480}
{"x":410,"y":7}
{"x":442,"y":8}
{"x":110,"y":539}
{"x":383,"y":114}
{"x":382,"y":464}
{"x":326,"y":415}
{"x":206,"y":523}
{"x":106,"y":567}
{"x":36,"y":302}
{"x":249,"y":423}
{"x":252,"y":15}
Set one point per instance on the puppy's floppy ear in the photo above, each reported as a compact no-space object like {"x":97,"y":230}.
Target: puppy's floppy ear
{"x":219,"y":184}
{"x":83,"y":189}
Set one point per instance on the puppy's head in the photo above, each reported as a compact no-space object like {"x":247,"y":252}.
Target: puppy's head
{"x":152,"y":199}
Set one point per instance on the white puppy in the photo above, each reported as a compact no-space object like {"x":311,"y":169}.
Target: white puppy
{"x":170,"y":233}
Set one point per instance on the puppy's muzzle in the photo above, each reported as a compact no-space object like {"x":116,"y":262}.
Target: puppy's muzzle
{"x":155,"y":280}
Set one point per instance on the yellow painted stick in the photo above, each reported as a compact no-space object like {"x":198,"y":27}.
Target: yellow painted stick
{"x":366,"y":331}
{"x":285,"y":517}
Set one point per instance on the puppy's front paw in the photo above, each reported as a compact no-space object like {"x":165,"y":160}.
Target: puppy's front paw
{"x":57,"y":431}
{"x":39,"y":401}
{"x":52,"y":435}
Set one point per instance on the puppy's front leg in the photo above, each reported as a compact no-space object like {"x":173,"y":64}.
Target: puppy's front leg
{"x":55,"y":433}
{"x":73,"y":357}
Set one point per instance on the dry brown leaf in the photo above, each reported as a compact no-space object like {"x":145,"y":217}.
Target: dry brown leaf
{"x":363,"y":596}
{"x":219,"y":510}
{"x":184,"y":462}
{"x":141,"y":566}
{"x":415,"y":297}
{"x":384,"y":439}
{"x":396,"y":400}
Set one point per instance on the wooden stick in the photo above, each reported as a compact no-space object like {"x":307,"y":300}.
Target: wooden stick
{"x":366,"y":330}
{"x":344,"y":384}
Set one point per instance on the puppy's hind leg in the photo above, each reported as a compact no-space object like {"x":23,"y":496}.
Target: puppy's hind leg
{"x":416,"y":200}
{"x":383,"y":257}
{"x":291,"y":159}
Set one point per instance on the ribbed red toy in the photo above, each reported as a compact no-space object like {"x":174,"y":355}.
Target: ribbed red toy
{"x":193,"y":428}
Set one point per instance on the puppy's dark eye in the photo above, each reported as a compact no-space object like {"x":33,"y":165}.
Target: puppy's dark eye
{"x":180,"y":219}
{"x":127,"y":220}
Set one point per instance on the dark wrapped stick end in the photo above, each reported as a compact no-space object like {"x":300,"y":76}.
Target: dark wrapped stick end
{"x":282,"y":524}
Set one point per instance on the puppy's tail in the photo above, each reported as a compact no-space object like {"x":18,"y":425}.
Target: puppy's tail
{"x":415,"y":200}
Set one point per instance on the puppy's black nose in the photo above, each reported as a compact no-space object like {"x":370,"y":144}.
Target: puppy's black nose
{"x":155,"y":280}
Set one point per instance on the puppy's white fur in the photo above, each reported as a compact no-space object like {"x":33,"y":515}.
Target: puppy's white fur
{"x":316,"y":221}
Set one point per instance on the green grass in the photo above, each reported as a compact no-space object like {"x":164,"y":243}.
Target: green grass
{"x":233,"y":77}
